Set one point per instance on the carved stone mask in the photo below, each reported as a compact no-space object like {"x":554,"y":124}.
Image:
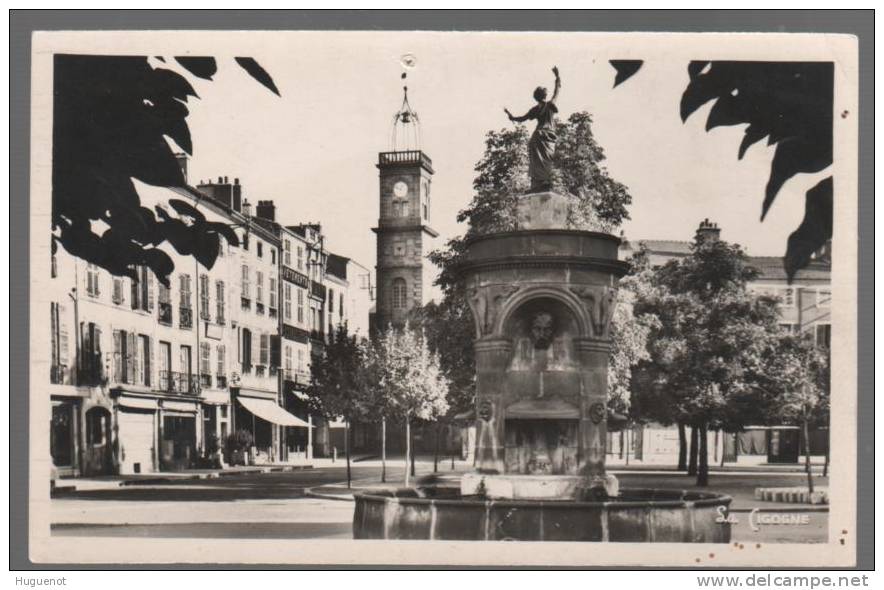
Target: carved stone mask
{"x":542,"y":330}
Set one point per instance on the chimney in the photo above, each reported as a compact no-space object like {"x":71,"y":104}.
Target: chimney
{"x":237,"y":195}
{"x":707,"y":232}
{"x":222,"y":192}
{"x":181,"y":157}
{"x":266,"y":210}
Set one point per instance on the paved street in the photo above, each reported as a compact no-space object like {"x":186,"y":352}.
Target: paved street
{"x":274,"y":505}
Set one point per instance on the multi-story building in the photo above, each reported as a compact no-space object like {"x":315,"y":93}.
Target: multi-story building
{"x":140,"y":368}
{"x":146,"y":376}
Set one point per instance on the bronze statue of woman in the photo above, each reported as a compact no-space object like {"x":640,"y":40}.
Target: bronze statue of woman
{"x":542,"y":144}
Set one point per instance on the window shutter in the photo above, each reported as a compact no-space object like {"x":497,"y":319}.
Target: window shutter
{"x":275,"y":350}
{"x":62,"y":335}
{"x":131,"y":357}
{"x":118,"y":356}
{"x":149,"y":362}
{"x":134,"y":290}
{"x":150,"y":295}
{"x":96,"y":348}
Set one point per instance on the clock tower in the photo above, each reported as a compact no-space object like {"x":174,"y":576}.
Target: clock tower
{"x":403,"y":232}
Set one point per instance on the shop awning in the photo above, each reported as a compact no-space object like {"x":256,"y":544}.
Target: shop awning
{"x":270,"y":411}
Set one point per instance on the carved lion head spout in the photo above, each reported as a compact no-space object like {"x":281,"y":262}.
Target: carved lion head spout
{"x":542,"y":330}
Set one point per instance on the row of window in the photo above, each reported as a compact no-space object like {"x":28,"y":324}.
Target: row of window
{"x":822,"y":333}
{"x":787,"y":295}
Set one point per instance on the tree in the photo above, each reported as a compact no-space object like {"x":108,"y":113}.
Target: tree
{"x":630,"y":333}
{"x":410,"y":376}
{"x":340,"y":383}
{"x":449,"y":332}
{"x":501,"y":176}
{"x":797,"y":382}
{"x":113,"y":120}
{"x":713,"y":340}
{"x":790,"y":104}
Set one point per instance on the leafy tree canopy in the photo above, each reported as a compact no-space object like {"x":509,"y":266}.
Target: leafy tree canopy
{"x":790,"y":104}
{"x":113,"y":117}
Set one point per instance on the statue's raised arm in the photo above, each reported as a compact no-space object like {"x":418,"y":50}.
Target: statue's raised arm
{"x":558,"y":85}
{"x":542,"y":144}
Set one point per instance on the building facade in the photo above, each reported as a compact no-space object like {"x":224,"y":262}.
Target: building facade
{"x":146,"y":377}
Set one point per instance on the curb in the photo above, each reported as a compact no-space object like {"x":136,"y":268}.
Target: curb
{"x":792,"y":495}
{"x":112,"y":484}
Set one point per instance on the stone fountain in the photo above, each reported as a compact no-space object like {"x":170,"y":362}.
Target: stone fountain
{"x":542,"y":297}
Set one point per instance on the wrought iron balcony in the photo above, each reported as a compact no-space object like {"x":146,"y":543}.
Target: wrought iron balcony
{"x":165,"y":313}
{"x":221,"y":381}
{"x":317,"y":290}
{"x":245,"y":303}
{"x":259,"y":308}
{"x":185,"y":317}
{"x":175,"y":382}
{"x":205,"y":381}
{"x":272,"y":312}
{"x":59,"y":374}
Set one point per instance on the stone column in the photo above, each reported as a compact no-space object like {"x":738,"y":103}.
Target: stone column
{"x":593,"y":356}
{"x":492,"y":356}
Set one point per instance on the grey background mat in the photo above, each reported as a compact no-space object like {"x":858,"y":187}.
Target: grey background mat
{"x":24,"y":22}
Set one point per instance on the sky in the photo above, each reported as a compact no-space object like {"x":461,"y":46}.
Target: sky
{"x":313,"y":150}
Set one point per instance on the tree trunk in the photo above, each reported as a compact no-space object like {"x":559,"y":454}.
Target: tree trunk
{"x":703,"y":468}
{"x":436,"y":451}
{"x":692,"y":455}
{"x":411,"y":442}
{"x":347,"y":448}
{"x":807,"y":468}
{"x":682,"y":448}
{"x":621,"y":443}
{"x":383,"y":450}
{"x":826,"y":462}
{"x":628,"y":437}
{"x":407,"y":450}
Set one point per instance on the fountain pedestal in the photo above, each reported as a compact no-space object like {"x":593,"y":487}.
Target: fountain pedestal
{"x":542,"y":298}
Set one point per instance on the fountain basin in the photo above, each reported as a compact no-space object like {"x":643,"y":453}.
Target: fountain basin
{"x":637,"y":515}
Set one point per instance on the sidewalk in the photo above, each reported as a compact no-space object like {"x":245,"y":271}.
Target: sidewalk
{"x":109,"y":482}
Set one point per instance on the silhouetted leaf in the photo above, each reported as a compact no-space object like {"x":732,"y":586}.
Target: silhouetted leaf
{"x":185,"y":208}
{"x":201,"y":67}
{"x":789,"y":103}
{"x":815,"y":228}
{"x":224,"y":230}
{"x":257,"y":72}
{"x":626,"y":68}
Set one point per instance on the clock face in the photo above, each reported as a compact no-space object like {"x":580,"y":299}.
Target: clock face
{"x":400,"y":189}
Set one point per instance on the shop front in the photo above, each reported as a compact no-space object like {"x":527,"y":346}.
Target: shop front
{"x":63,"y":436}
{"x":261,"y":415}
{"x":178,"y":447}
{"x":137,"y":434}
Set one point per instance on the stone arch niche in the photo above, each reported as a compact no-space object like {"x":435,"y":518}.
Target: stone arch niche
{"x":541,"y":408}
{"x":542,"y":300}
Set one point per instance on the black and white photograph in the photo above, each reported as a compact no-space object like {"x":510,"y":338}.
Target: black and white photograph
{"x":365,"y":297}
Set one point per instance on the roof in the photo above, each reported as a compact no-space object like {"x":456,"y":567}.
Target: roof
{"x":661,"y":246}
{"x":771,"y":268}
{"x":337,"y":266}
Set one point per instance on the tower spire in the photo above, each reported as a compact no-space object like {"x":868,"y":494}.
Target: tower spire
{"x":405,"y":135}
